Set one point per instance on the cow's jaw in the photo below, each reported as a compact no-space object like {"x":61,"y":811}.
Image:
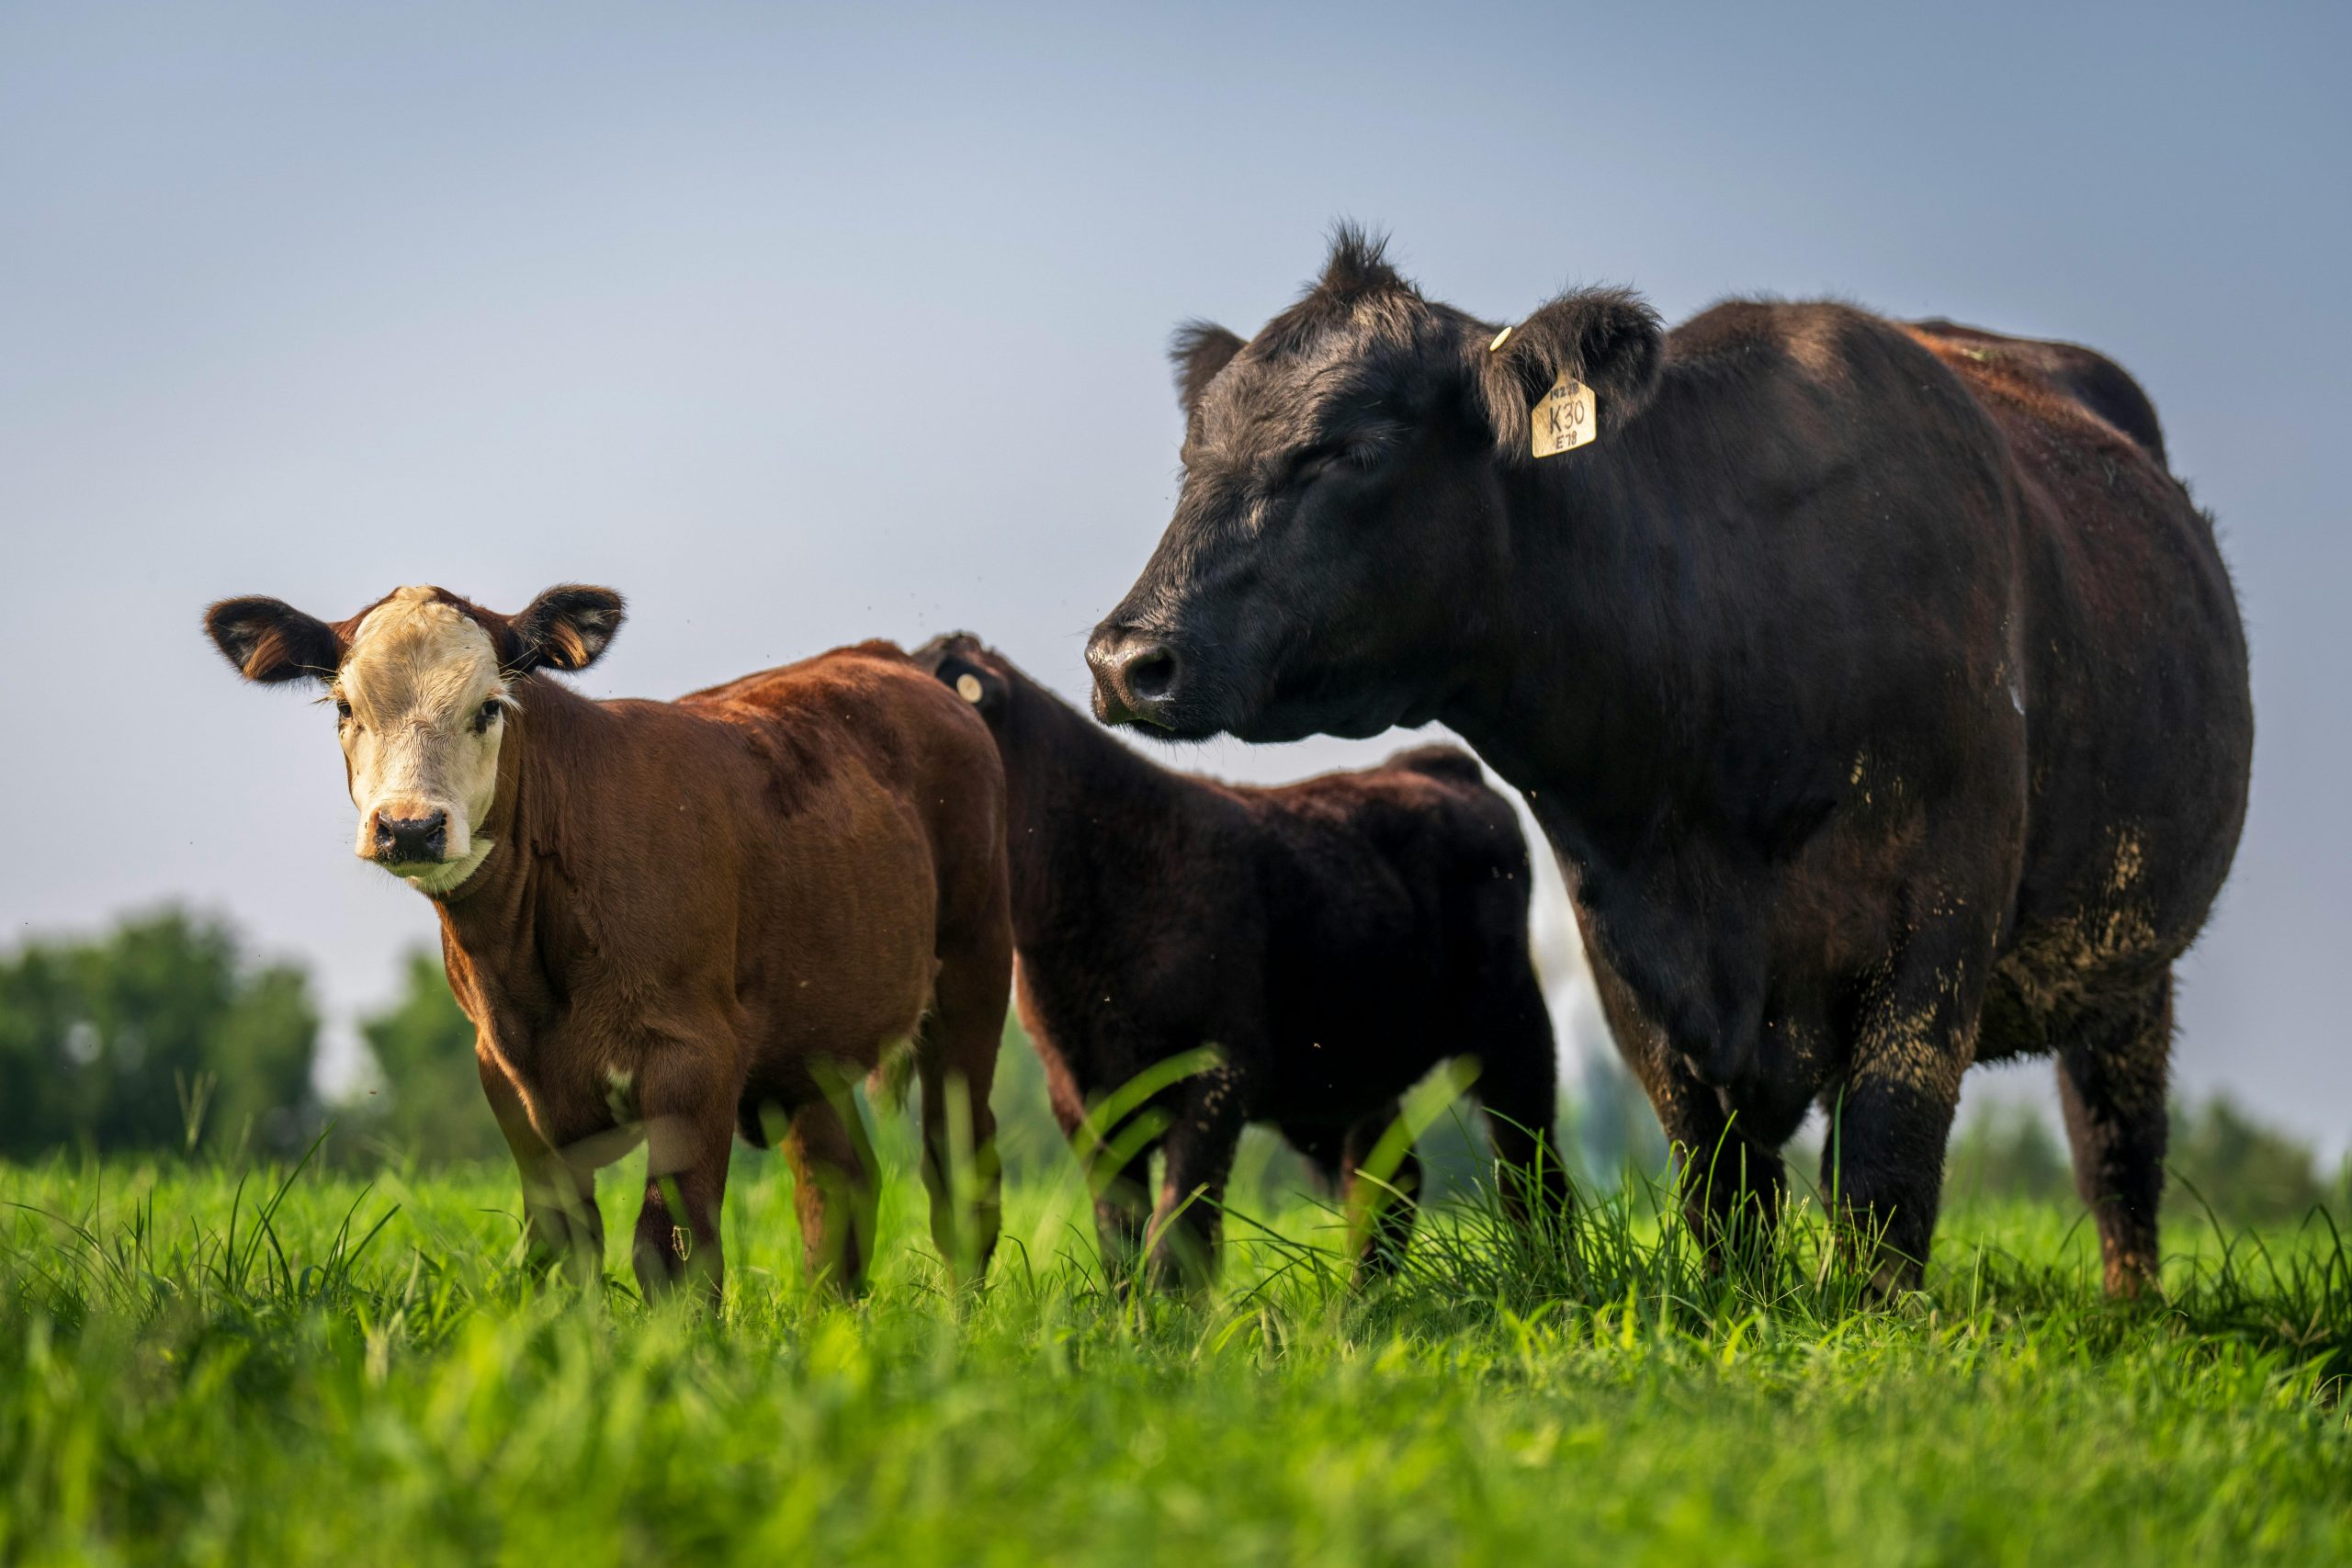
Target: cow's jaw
{"x":439,"y":878}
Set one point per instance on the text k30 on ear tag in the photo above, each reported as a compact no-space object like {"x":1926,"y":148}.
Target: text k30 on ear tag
{"x":1565,"y":418}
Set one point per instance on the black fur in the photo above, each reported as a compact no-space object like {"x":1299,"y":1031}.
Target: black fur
{"x":1884,"y":697}
{"x":1334,"y":938}
{"x":1198,"y":351}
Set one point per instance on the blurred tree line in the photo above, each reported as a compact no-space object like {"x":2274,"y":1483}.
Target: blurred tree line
{"x":159,"y":1035}
{"x":2218,"y":1154}
{"x":165,"y":1035}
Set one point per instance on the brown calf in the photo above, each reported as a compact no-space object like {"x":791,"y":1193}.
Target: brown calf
{"x":679,"y":921}
{"x":1334,"y":940}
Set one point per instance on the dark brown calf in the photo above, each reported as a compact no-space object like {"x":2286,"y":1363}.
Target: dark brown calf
{"x":679,"y":920}
{"x":1334,"y":940}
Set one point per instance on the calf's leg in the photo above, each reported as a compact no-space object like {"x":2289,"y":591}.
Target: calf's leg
{"x":561,"y":1225}
{"x":833,"y":1191}
{"x":2111,"y":1079}
{"x":1519,"y":1085}
{"x":1122,"y":1221}
{"x":1122,"y":1200}
{"x":955,"y":1058}
{"x":1380,"y":1212}
{"x":1187,"y":1223}
{"x":688,"y":1137}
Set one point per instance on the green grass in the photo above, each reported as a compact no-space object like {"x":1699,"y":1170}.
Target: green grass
{"x":200,"y":1366}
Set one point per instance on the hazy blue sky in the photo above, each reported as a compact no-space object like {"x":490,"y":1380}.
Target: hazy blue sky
{"x":802,"y":326}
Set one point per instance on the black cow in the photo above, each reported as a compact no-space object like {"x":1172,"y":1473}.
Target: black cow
{"x":1333,"y":939}
{"x":1883,"y":696}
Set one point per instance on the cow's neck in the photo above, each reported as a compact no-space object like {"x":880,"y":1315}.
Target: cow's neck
{"x":1591,"y":693}
{"x":1082,"y":812}
{"x":496,"y":923}
{"x":1596,"y":698}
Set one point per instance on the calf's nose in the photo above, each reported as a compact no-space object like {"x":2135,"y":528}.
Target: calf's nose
{"x":1135,"y":675}
{"x":400,"y":840}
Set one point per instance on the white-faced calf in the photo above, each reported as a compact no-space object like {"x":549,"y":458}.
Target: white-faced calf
{"x":678,"y":920}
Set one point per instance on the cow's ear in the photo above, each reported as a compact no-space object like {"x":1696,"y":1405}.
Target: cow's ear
{"x":1610,"y":339}
{"x":567,"y":627}
{"x":976,"y":683}
{"x":1198,"y":351}
{"x":270,"y":641}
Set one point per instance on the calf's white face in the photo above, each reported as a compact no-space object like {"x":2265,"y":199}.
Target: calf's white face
{"x":421,"y":707}
{"x":423,"y":685}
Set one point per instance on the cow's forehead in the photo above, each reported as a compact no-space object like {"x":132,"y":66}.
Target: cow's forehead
{"x":1272,"y":398}
{"x":1264,"y":404}
{"x":417,"y":648}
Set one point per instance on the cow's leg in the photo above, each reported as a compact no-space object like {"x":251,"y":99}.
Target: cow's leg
{"x":832,"y":1193}
{"x":1914,"y":1034}
{"x":1122,"y":1221}
{"x":1199,"y":1147}
{"x":956,"y":1057}
{"x":1323,"y":1148}
{"x":561,"y":1225}
{"x":1731,"y":1184}
{"x":2111,"y":1079}
{"x":1122,"y":1203}
{"x":1385,"y":1210}
{"x":1519,"y":1085}
{"x":689,"y":1133}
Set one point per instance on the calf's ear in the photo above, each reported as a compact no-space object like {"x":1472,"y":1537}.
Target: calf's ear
{"x":1198,"y":351}
{"x":567,"y":627}
{"x":976,"y":683}
{"x":1610,"y":339}
{"x":270,"y":641}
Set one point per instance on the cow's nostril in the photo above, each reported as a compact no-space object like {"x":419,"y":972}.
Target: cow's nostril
{"x":400,"y":840}
{"x":1136,"y":675}
{"x":1151,"y":674}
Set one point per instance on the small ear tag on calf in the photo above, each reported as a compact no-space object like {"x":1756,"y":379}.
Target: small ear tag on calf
{"x":968,"y":687}
{"x":1565,"y":418}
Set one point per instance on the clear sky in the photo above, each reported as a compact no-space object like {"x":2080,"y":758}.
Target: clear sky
{"x":800,"y":326}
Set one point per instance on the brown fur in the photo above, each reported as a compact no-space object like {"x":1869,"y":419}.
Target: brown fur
{"x":715,"y":914}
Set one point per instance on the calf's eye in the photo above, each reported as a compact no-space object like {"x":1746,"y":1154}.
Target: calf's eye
{"x":485,"y":715}
{"x":342,"y":709}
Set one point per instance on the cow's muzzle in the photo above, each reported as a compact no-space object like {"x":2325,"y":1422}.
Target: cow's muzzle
{"x":406,"y":841}
{"x":1136,"y":676}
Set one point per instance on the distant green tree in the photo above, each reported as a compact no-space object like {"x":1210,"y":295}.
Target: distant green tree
{"x":2250,"y":1174}
{"x":2009,"y":1150}
{"x":159,"y":1035}
{"x":427,"y":1099}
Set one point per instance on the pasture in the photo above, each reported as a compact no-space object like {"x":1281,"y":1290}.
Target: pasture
{"x":211,"y":1363}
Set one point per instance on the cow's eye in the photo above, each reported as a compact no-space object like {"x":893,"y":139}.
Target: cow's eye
{"x":1313,"y":463}
{"x":486,"y":716}
{"x":1354,"y":455}
{"x":342,"y":709}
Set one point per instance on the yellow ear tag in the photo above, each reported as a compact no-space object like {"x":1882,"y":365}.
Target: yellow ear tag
{"x":1565,"y":418}
{"x":968,"y":688}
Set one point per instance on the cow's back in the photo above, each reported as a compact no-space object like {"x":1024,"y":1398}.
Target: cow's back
{"x":2099,"y":384}
{"x":1399,"y":887}
{"x":877,"y":817}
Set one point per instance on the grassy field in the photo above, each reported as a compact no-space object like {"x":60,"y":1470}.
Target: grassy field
{"x":201,"y":1365}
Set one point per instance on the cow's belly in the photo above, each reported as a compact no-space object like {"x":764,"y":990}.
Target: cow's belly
{"x":840,"y":942}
